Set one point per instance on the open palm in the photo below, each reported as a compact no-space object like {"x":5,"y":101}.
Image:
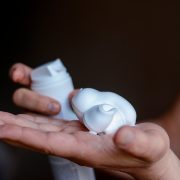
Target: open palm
{"x":131,"y":148}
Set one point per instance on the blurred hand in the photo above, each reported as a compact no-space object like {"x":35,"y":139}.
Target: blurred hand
{"x":141,"y":151}
{"x":28,"y":99}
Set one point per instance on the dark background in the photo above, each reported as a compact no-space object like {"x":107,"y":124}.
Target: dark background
{"x":129,"y":47}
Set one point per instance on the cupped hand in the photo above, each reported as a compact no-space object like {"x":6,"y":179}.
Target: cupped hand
{"x":141,"y":151}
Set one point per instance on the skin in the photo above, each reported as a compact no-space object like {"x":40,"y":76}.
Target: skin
{"x":140,"y":152}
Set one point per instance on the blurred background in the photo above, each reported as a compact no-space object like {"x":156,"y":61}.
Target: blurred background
{"x":129,"y":47}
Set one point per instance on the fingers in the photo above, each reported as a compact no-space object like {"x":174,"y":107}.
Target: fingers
{"x":53,"y":125}
{"x":41,"y":123}
{"x":27,"y":99}
{"x":7,"y":118}
{"x":23,"y":121}
{"x":61,"y":144}
{"x":35,"y":102}
{"x":20,"y":73}
{"x":145,"y":141}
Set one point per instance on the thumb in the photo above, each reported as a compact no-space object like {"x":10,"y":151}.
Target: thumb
{"x":145,"y":141}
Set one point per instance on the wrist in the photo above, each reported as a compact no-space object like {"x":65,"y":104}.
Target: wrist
{"x":165,"y":169}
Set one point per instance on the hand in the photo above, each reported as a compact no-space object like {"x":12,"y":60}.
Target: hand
{"x":28,"y":99}
{"x":141,"y":151}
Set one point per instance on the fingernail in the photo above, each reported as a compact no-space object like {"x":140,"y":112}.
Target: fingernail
{"x":53,"y":107}
{"x":126,"y":137}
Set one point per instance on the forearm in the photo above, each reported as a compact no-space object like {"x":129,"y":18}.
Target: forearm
{"x":168,"y":168}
